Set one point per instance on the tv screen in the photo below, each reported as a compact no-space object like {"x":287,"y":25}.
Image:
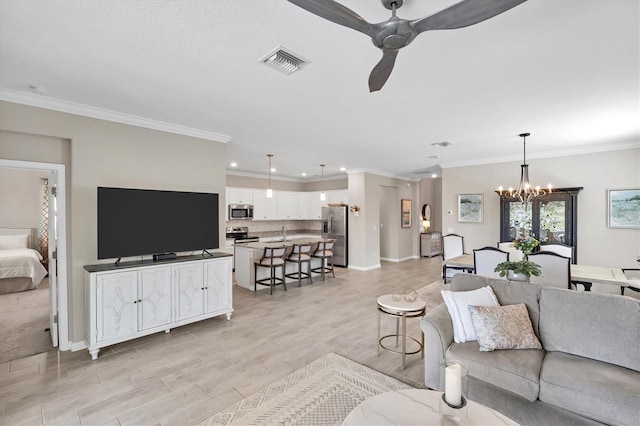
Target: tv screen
{"x":135,"y":222}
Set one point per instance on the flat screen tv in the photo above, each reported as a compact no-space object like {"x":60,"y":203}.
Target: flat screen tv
{"x":135,"y":222}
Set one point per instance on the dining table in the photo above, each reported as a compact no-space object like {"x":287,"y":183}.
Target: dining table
{"x":584,"y":275}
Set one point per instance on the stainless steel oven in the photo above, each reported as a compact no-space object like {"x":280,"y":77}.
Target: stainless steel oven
{"x":240,"y":212}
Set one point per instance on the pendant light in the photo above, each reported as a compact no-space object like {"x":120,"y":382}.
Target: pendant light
{"x":322,"y":194}
{"x":525,"y":192}
{"x":269,"y":190}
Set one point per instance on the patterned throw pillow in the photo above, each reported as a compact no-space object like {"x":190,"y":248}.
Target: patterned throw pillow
{"x":458,"y":303}
{"x":503,"y":327}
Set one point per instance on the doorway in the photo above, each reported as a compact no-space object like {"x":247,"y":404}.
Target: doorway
{"x":58,"y":285}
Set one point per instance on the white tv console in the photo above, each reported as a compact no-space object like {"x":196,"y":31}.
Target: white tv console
{"x":134,"y":299}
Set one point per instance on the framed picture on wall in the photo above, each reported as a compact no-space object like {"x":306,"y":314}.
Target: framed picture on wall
{"x":470,"y":208}
{"x":624,"y":208}
{"x":405,"y":213}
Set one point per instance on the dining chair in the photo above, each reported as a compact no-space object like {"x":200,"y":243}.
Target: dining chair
{"x":452,"y":246}
{"x":560,"y":248}
{"x":633,"y":275}
{"x":515,"y":255}
{"x":486,"y":259}
{"x":555,"y":270}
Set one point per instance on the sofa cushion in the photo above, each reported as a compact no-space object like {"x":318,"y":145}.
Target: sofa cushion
{"x":516,"y":371}
{"x":603,"y":327}
{"x":458,"y":306}
{"x":503,"y":327}
{"x":595,"y":389}
{"x":507,"y":292}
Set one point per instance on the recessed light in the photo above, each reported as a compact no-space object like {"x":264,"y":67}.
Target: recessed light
{"x":273,"y":170}
{"x":304,"y":174}
{"x":342,"y":169}
{"x":434,"y":175}
{"x":234,"y":164}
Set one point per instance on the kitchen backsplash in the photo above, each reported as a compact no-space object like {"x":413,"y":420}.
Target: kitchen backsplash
{"x":268,"y":228}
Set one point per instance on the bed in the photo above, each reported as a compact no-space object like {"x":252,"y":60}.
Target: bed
{"x":20,"y":265}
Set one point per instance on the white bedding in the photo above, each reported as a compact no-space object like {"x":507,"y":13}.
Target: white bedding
{"x":22,"y":262}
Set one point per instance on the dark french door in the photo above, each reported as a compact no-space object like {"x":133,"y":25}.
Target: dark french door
{"x":550,"y":218}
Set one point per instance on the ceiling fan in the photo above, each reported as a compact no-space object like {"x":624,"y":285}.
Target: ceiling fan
{"x":396,"y":33}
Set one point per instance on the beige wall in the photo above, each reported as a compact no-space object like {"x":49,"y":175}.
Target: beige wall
{"x":236,"y":181}
{"x":111,"y":154}
{"x":364,"y":230}
{"x":21,"y":198}
{"x":597,"y":244}
{"x":431,"y":193}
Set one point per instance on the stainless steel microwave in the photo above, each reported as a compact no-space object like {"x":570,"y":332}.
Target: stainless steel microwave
{"x":240,"y":212}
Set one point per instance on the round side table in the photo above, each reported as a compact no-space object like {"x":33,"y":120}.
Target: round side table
{"x":400,"y":310}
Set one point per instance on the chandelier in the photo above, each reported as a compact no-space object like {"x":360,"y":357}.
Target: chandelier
{"x":525,"y":192}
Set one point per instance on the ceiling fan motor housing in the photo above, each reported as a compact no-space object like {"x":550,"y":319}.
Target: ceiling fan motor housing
{"x":394,"y":34}
{"x":390,"y":3}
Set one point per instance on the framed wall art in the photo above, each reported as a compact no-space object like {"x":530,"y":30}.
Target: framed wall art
{"x":470,"y":208}
{"x":624,"y":208}
{"x":405,"y":213}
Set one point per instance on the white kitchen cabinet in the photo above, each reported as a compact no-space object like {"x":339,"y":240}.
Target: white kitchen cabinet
{"x":287,"y":208}
{"x":131,"y":300}
{"x":310,"y":205}
{"x":264,"y":208}
{"x":239,"y":196}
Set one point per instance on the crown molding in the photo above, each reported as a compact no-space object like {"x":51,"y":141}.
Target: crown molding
{"x":45,"y":102}
{"x":593,"y":149}
{"x":383,"y":174}
{"x":283,"y":178}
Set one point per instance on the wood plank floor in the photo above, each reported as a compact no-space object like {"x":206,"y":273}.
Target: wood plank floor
{"x":197,"y":370}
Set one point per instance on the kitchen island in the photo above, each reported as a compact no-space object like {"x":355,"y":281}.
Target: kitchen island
{"x":247,"y":253}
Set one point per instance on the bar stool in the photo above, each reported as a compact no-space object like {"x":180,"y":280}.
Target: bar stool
{"x":300,"y":254}
{"x":324,"y":253}
{"x":272,"y":258}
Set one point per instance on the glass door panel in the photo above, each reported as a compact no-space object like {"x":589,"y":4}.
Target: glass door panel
{"x":553,"y":221}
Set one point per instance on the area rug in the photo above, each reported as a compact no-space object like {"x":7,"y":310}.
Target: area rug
{"x":322,"y":393}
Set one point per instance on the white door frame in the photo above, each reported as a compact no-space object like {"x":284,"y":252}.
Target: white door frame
{"x":63,"y":311}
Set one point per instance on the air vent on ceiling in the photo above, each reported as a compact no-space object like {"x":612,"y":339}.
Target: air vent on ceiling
{"x":284,"y":60}
{"x":434,"y":157}
{"x":442,"y":144}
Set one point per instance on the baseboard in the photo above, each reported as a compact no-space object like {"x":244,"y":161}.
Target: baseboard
{"x":78,"y":346}
{"x":395,"y":259}
{"x":365,"y":268}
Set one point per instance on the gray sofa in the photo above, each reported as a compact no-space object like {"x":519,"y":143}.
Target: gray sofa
{"x":588,"y":371}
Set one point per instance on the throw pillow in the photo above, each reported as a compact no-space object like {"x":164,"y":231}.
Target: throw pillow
{"x":458,"y":306}
{"x":503,"y":327}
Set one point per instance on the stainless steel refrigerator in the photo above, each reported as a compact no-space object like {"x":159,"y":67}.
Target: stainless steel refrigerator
{"x":335,"y":225}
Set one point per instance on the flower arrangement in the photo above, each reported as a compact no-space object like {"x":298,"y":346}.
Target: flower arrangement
{"x":526,"y":244}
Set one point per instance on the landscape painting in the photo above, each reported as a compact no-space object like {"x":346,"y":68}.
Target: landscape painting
{"x":624,"y":208}
{"x":470,"y":208}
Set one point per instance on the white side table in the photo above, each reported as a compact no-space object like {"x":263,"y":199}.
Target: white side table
{"x":400,"y":310}
{"x":417,"y":407}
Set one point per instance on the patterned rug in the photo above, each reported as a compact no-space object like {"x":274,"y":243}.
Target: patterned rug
{"x":322,"y":393}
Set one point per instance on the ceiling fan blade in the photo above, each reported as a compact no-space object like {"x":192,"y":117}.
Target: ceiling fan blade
{"x":382,"y":70}
{"x":335,"y":12}
{"x":463,"y":14}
